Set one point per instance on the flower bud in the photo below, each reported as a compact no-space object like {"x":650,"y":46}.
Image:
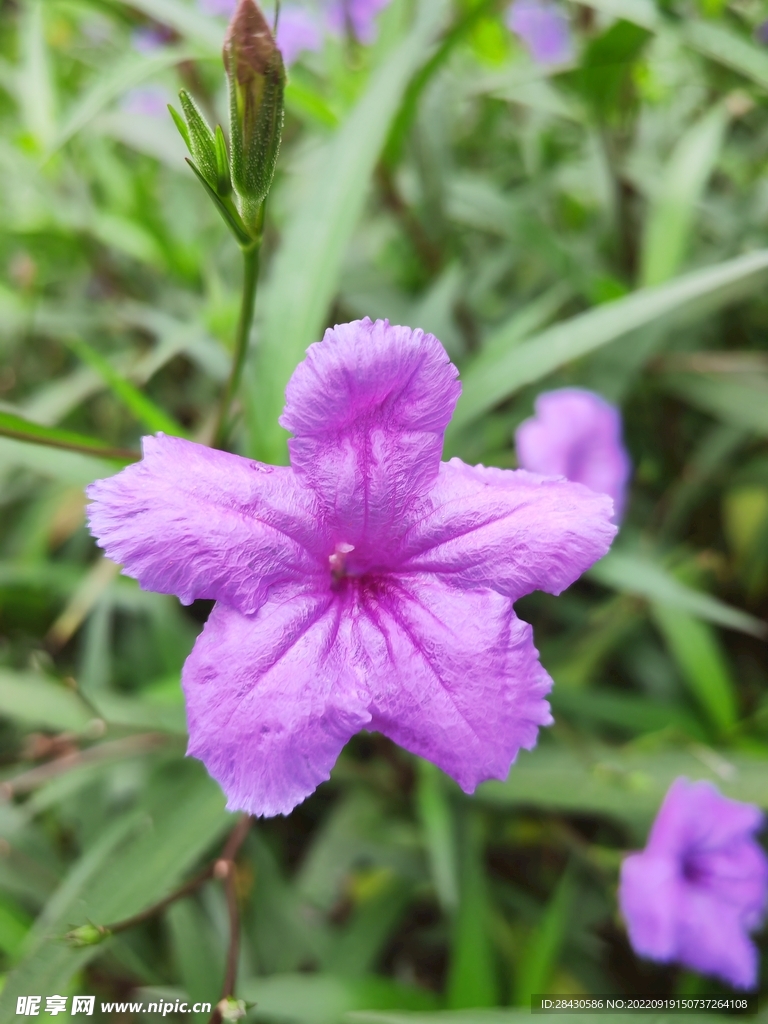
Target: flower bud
{"x":87,"y":935}
{"x":231,"y":1009}
{"x":256,"y":83}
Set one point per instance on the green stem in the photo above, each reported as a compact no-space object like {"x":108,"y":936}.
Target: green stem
{"x":247,"y":305}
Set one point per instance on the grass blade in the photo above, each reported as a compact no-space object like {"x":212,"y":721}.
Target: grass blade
{"x":670,"y":219}
{"x":539,"y":356}
{"x":632,"y":573}
{"x":137,"y":403}
{"x":25,"y":430}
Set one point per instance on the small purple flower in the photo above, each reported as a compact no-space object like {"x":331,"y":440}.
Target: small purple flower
{"x":146,"y":100}
{"x":357,"y":16}
{"x":761,"y":33}
{"x":217,"y":8}
{"x":543,"y":28}
{"x":699,"y":887}
{"x":150,"y":38}
{"x":577,"y":434}
{"x":297,"y":32}
{"x":366,"y":586}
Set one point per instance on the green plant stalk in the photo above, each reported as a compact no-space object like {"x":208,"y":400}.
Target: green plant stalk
{"x":247,"y":306}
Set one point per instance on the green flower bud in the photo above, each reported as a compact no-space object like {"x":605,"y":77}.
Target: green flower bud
{"x":87,"y":935}
{"x":256,"y":83}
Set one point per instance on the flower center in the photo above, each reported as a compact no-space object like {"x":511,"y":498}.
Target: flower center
{"x":693,"y":871}
{"x":338,"y":561}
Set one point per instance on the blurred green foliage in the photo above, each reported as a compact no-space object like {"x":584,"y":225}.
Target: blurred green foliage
{"x":604,"y":224}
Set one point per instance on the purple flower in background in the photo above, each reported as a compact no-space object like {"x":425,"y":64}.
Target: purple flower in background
{"x":297,"y":32}
{"x":150,"y":38}
{"x":761,"y":33}
{"x":357,"y":16}
{"x":366,"y":586}
{"x":146,"y":100}
{"x":699,"y":887}
{"x":217,"y":8}
{"x":543,"y":28}
{"x":577,"y":434}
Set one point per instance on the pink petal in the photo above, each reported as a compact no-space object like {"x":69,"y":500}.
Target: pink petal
{"x":577,"y":434}
{"x":712,"y":939}
{"x":507,"y":529}
{"x":454,"y":675}
{"x":697,"y":814}
{"x":648,"y":897}
{"x":200,"y":523}
{"x":368,"y":408}
{"x":271,"y":700}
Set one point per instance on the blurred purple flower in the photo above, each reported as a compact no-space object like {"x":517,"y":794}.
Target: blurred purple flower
{"x":217,"y":8}
{"x":761,"y":33}
{"x":368,"y":585}
{"x":357,"y":16}
{"x":699,"y":887}
{"x":543,"y":28}
{"x":297,"y":32}
{"x":577,"y":434}
{"x":148,"y":38}
{"x":147,"y":100}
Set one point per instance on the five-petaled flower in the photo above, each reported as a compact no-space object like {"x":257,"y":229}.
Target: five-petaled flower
{"x":577,"y":434}
{"x":699,"y":887}
{"x":369,"y":585}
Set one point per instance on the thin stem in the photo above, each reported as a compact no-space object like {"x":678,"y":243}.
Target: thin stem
{"x":159,"y":907}
{"x":100,"y":451}
{"x":247,"y":306}
{"x":225,"y":868}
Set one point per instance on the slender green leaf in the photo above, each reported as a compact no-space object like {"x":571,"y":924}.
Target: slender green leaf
{"x":132,"y":865}
{"x":623,"y":711}
{"x":355,"y":952}
{"x":542,"y":949}
{"x":715,"y":41}
{"x":633,"y":573}
{"x":536,"y":358}
{"x":200,"y":962}
{"x":740,"y":402}
{"x":471,"y":977}
{"x":721,"y":44}
{"x":439,"y":834}
{"x":36,"y":85}
{"x":325,"y":998}
{"x":137,"y":403}
{"x":20,"y":429}
{"x":129,"y":72}
{"x":306,"y":268}
{"x":34,"y":700}
{"x":702,"y":662}
{"x":671,"y":215}
{"x":622,"y":783}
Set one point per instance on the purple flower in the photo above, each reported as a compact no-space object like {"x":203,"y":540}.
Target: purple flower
{"x":699,"y":887}
{"x":146,"y":100}
{"x":357,"y":16}
{"x":577,"y":434}
{"x":217,"y":8}
{"x":761,"y":33}
{"x":543,"y":28}
{"x":150,"y":38}
{"x":369,"y":585}
{"x":297,"y":32}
